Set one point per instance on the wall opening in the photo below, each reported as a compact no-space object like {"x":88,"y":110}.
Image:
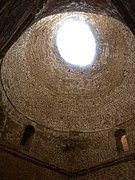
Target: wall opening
{"x":27,"y":136}
{"x":121,"y":141}
{"x":76,"y":43}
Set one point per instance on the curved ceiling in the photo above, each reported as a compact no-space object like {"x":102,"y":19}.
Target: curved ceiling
{"x":47,"y":90}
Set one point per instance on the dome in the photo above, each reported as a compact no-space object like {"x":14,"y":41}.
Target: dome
{"x":42,"y":86}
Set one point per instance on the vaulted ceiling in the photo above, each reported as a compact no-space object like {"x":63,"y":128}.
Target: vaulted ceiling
{"x":56,"y":95}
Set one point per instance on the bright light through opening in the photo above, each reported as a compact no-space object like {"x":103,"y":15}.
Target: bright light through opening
{"x":76,"y":43}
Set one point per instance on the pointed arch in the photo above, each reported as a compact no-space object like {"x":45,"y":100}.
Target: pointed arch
{"x":121,"y":141}
{"x":27,"y":136}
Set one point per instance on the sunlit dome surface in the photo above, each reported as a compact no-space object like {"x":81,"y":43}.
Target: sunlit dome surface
{"x":76,"y":43}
